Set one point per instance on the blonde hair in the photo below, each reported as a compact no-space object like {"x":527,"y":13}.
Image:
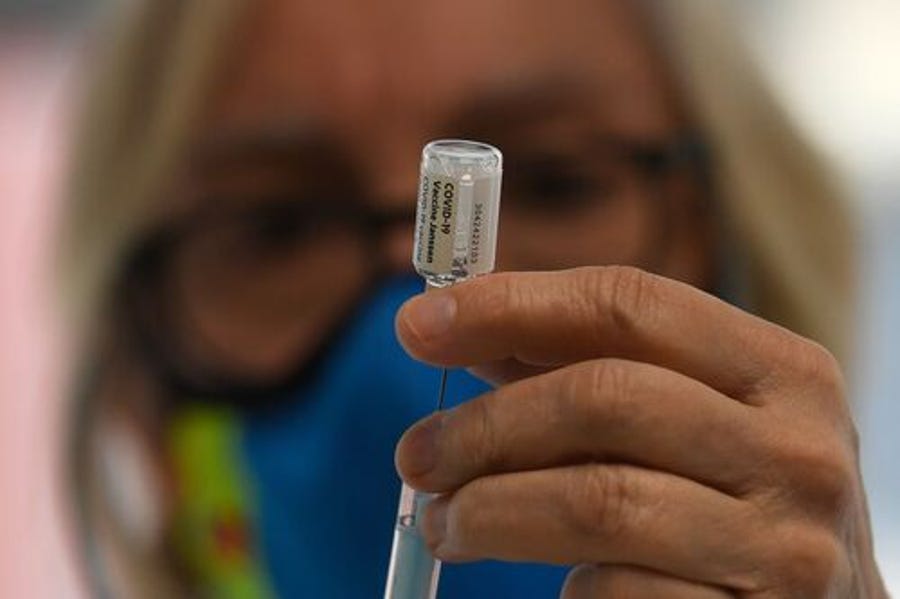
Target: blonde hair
{"x":161,"y":60}
{"x":774,"y":190}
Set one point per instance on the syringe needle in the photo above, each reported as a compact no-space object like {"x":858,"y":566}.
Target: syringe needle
{"x":443,"y":390}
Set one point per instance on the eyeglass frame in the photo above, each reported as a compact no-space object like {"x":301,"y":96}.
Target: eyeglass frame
{"x":150,"y":255}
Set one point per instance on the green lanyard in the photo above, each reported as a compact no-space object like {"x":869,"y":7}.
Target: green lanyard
{"x":213,"y":531}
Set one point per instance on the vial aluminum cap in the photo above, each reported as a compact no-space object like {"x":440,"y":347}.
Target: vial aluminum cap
{"x":458,"y":210}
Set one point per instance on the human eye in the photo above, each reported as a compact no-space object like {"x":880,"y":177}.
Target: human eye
{"x":550,"y":183}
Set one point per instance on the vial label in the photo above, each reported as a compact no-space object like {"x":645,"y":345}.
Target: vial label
{"x":478,"y":222}
{"x":437,"y":223}
{"x":482,"y":223}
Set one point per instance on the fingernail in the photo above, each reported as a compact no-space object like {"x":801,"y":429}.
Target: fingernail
{"x":431,"y":314}
{"x":434,"y":525}
{"x":418,"y":451}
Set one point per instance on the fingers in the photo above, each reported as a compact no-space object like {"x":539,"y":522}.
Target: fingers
{"x":550,"y":319}
{"x":506,"y":371}
{"x":600,"y":582}
{"x":602,"y":410}
{"x":598,"y":514}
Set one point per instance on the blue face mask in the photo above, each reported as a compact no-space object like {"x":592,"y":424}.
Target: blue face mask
{"x":322,"y":467}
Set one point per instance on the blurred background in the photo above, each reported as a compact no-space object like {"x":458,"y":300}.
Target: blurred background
{"x":835,"y":64}
{"x":40,"y":44}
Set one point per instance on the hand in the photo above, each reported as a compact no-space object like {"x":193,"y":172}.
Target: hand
{"x":666,"y":443}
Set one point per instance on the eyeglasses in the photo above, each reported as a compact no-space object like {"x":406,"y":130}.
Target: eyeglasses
{"x":238,"y":298}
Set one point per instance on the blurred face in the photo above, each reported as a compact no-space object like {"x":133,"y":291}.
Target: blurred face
{"x":319,"y":120}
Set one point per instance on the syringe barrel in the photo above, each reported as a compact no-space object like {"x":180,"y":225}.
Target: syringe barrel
{"x":413,"y":572}
{"x":458,"y":211}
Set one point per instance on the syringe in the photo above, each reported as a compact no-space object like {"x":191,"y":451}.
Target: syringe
{"x":455,"y":239}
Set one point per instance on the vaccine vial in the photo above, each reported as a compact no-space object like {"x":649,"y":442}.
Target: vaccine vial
{"x":458,"y":211}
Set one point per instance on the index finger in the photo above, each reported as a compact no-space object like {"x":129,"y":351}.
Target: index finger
{"x":557,"y":318}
